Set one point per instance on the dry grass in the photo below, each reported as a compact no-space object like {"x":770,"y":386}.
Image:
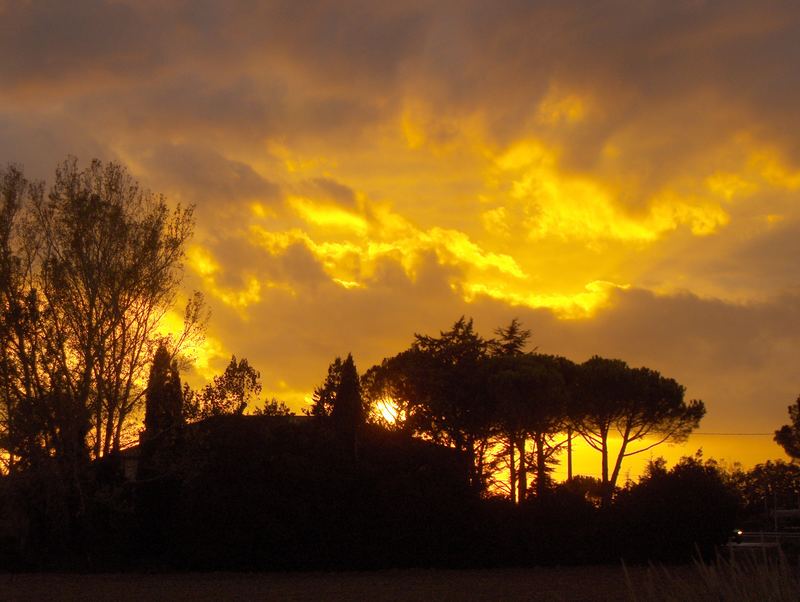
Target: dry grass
{"x":752,"y":578}
{"x":722,"y":581}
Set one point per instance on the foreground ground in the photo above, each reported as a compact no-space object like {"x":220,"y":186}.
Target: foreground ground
{"x":581,"y":583}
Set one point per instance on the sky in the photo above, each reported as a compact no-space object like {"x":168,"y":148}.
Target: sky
{"x":621,"y":176}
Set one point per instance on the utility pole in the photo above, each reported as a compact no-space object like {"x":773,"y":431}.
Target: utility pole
{"x":569,"y":454}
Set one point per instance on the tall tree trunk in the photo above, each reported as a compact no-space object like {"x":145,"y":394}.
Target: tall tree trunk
{"x":474,"y":479}
{"x":117,"y":436}
{"x":97,"y":448}
{"x":569,"y":454}
{"x":512,"y":470}
{"x":541,"y":465}
{"x":606,"y":493}
{"x":523,"y":476}
{"x":620,"y":456}
{"x":109,"y":431}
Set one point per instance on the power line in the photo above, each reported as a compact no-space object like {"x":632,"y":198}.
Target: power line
{"x":734,"y":434}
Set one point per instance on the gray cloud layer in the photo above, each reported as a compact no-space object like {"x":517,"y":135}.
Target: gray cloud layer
{"x":200,"y":98}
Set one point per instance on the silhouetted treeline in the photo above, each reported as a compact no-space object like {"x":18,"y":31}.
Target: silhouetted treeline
{"x":513,"y":412}
{"x":333,"y":490}
{"x":441,"y":455}
{"x":252,"y":492}
{"x":88,"y":267}
{"x":788,"y":436}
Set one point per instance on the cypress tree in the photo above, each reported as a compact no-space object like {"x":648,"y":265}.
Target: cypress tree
{"x":348,"y":410}
{"x":163,"y":397}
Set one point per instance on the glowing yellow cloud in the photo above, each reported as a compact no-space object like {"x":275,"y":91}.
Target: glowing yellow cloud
{"x":206,"y":266}
{"x":703,"y":217}
{"x":495,"y":222}
{"x":385,"y":235}
{"x":768,"y":163}
{"x":261,"y":210}
{"x":539,"y":232}
{"x":573,"y":207}
{"x":583,"y":304}
{"x":561,"y":107}
{"x":346,"y":283}
{"x":201,"y":353}
{"x":295,"y":163}
{"x":412,"y":129}
{"x":760,"y":166}
{"x":729,"y":185}
{"x":201,"y":261}
{"x":326,"y":215}
{"x":456,"y":247}
{"x":423,"y":126}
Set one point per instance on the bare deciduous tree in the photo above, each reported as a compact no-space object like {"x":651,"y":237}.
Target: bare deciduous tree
{"x":93,"y":266}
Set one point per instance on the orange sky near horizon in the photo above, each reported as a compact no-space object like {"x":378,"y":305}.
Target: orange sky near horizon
{"x":623,"y":177}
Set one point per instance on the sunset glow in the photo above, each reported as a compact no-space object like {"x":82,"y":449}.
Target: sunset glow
{"x":626,"y":185}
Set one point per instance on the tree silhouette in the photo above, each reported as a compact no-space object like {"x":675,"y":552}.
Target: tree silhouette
{"x":163,"y":418}
{"x":465,"y":391}
{"x":531,"y":404}
{"x":94,"y":265}
{"x":347,"y":414}
{"x":788,"y":436}
{"x":768,"y":485}
{"x":510,"y":340}
{"x":391,"y":388}
{"x":230,"y":392}
{"x":26,"y":424}
{"x":506,"y":384}
{"x":163,"y":396}
{"x":324,"y":395}
{"x":612,"y":398}
{"x":339,"y":396}
{"x":348,"y":410}
{"x":274,"y":407}
{"x":161,"y":447}
{"x":672,"y":514}
{"x":440,"y":383}
{"x":109,"y":254}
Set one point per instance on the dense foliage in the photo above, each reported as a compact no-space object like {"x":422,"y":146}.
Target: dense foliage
{"x":439,"y":455}
{"x":509,"y":410}
{"x":788,"y":436}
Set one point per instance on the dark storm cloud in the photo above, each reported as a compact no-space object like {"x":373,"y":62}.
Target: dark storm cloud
{"x":192,"y":103}
{"x":334,"y":116}
{"x":739,"y":358}
{"x":297,"y":339}
{"x":330,"y":189}
{"x":48,"y":41}
{"x":190,"y":91}
{"x":296,"y":267}
{"x":767,"y":262}
{"x":39,"y":143}
{"x":205,"y":177}
{"x":52,"y":40}
{"x":661,"y":67}
{"x":772,"y":255}
{"x":686,"y":328}
{"x":362,"y":43}
{"x":188,"y":106}
{"x":761,"y":262}
{"x":670,"y":81}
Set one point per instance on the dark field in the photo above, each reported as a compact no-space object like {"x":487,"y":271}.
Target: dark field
{"x":585,"y":583}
